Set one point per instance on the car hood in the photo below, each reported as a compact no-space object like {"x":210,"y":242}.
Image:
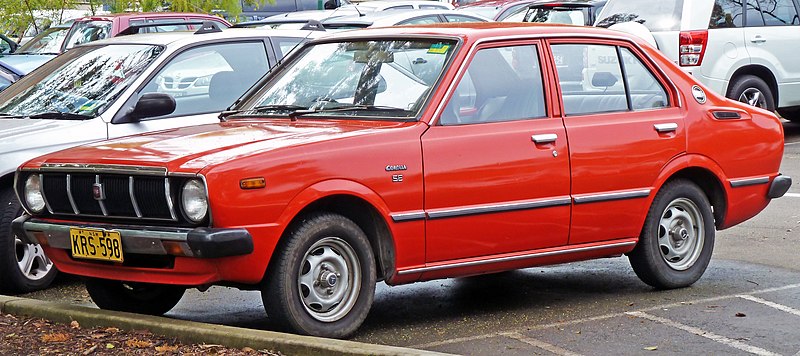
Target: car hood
{"x":24,"y":133}
{"x":191,"y":149}
{"x":26,"y":63}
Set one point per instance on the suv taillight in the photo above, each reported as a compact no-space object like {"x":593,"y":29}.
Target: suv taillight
{"x":691,"y":47}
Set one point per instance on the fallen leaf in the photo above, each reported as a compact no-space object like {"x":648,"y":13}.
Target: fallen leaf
{"x":112,"y":330}
{"x":166,"y":348}
{"x":75,"y":325}
{"x":741,"y":315}
{"x":11,"y":335}
{"x":138,"y":344}
{"x":248,"y":350}
{"x":57,"y":337}
{"x":209,"y":346}
{"x":90,"y":350}
{"x":651,"y":348}
{"x":110,"y":346}
{"x":98,"y":336}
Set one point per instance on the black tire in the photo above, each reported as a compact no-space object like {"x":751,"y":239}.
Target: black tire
{"x":745,"y":88}
{"x":142,"y":298}
{"x":319,"y":247}
{"x":677,"y":239}
{"x":13,"y":279}
{"x":791,"y":114}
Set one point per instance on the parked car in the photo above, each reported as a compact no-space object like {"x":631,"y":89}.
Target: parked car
{"x":744,"y":54}
{"x":496,"y":10}
{"x":570,"y":12}
{"x":114,"y":88}
{"x":42,"y":48}
{"x":95,"y":28}
{"x":313,"y":187}
{"x":261,"y":11}
{"x":399,"y":17}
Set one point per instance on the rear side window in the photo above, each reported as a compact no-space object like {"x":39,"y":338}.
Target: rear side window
{"x":88,"y":31}
{"x":663,"y":15}
{"x":726,"y":14}
{"x":594,"y":80}
{"x":778,"y":12}
{"x":753,"y":17}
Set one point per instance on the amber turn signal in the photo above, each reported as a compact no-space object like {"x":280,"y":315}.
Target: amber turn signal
{"x":252,"y":183}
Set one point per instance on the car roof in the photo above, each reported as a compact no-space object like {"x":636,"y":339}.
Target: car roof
{"x":390,"y":17}
{"x":142,"y":14}
{"x":496,"y":3}
{"x":381,"y":4}
{"x":568,"y":3}
{"x":181,"y":38}
{"x":474,"y":31}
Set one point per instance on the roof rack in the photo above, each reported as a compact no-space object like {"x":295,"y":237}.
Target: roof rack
{"x":208,"y":26}
{"x":313,"y":25}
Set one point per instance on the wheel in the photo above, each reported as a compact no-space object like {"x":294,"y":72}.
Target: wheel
{"x":751,"y":90}
{"x":322,"y":280}
{"x":675,"y":246}
{"x":23,"y":267}
{"x":142,"y":298}
{"x":791,"y":114}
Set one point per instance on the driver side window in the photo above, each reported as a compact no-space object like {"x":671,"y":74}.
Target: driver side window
{"x":210,"y":78}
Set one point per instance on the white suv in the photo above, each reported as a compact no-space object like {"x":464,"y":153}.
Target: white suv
{"x":744,"y":49}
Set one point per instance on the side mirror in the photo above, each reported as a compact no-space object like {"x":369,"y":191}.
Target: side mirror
{"x":603,"y":79}
{"x":152,"y":105}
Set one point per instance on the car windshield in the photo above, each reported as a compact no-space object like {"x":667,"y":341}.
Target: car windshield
{"x":83,"y":81}
{"x":488,"y":11}
{"x":47,"y":42}
{"x":570,"y":16}
{"x":88,"y":31}
{"x":662,"y":15}
{"x":377,"y":79}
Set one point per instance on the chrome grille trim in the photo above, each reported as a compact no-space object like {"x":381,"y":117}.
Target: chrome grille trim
{"x":102,"y":169}
{"x":69,"y":194}
{"x":100,"y":202}
{"x":133,"y":198}
{"x":44,"y":195}
{"x":169,"y":199}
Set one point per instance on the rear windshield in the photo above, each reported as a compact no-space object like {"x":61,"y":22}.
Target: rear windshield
{"x":88,"y":31}
{"x":663,"y":15}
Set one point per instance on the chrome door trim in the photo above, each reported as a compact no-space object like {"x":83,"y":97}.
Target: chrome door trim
{"x":411,"y":216}
{"x":666,"y":127}
{"x":496,"y":208}
{"x":515,"y":258}
{"x":595,"y":198}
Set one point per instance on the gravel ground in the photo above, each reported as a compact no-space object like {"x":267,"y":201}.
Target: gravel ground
{"x":28,"y":336}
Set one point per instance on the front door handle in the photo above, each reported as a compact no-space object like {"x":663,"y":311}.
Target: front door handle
{"x":758,"y":39}
{"x":544,"y":138}
{"x":668,"y":127}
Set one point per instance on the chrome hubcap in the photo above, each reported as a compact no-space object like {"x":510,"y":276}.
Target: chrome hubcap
{"x":753,"y":97}
{"x":329,"y":279}
{"x":31,"y":260}
{"x":680,"y":234}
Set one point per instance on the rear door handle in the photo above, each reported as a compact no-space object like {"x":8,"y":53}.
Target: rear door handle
{"x":668,"y":127}
{"x":544,"y":138}
{"x":758,"y":39}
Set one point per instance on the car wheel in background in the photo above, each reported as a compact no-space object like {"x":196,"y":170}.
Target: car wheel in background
{"x":23,"y":267}
{"x":322,"y":281}
{"x":752,"y":90}
{"x":675,"y":246}
{"x":143,"y":298}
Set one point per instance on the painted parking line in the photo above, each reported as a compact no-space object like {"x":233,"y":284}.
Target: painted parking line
{"x":791,"y":143}
{"x":705,"y":333}
{"x":598,"y":318}
{"x":793,"y":195}
{"x":774,"y":305}
{"x":541,"y":344}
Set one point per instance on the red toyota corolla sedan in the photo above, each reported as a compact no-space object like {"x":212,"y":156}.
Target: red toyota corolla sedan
{"x":410,"y":154}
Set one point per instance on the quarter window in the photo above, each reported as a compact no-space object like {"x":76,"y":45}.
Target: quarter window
{"x":726,"y":14}
{"x":500,"y":84}
{"x":594,"y":80}
{"x":779,"y":12}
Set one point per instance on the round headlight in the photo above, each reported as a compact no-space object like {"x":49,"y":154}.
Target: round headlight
{"x":34,"y":198}
{"x":194,"y":200}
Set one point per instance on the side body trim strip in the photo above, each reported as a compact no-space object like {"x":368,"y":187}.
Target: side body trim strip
{"x":448,"y":213}
{"x":736,"y":183}
{"x":642,"y":193}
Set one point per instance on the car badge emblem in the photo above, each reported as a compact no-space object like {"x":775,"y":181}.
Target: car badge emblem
{"x":98,"y":192}
{"x":699,"y":94}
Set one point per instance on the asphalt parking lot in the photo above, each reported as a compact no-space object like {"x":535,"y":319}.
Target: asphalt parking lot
{"x":748,"y":302}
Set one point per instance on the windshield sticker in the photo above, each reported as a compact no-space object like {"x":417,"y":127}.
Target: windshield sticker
{"x":439,"y":48}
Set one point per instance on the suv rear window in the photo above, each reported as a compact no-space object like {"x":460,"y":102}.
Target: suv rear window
{"x":662,"y":15}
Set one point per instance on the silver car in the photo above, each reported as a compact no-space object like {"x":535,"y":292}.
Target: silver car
{"x":119,"y":87}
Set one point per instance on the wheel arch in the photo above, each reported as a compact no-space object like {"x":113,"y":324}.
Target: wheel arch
{"x":703,"y":172}
{"x":759,"y":71}
{"x":353,"y":201}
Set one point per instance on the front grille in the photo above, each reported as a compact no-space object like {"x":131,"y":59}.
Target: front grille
{"x":110,"y":195}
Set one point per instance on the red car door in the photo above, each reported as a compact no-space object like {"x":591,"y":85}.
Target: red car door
{"x":495,"y":162}
{"x":624,"y":126}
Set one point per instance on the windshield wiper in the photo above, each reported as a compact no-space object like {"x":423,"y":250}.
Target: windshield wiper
{"x":260,"y":109}
{"x":55,"y":115}
{"x":297,"y":113}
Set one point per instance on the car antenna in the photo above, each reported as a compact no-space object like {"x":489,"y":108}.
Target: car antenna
{"x":208,"y":27}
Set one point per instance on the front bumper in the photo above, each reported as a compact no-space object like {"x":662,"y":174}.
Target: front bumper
{"x":199,"y":242}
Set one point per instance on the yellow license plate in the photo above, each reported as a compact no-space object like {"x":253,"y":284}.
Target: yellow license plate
{"x":96,"y":244}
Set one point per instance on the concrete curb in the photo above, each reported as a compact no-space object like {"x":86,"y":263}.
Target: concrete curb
{"x":195,"y":332}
